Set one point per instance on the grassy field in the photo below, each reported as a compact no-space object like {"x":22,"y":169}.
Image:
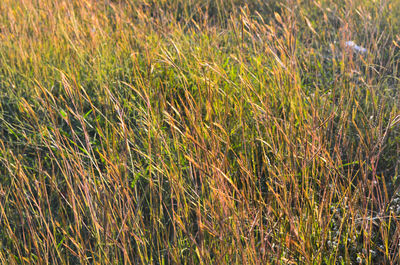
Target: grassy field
{"x":199,"y":132}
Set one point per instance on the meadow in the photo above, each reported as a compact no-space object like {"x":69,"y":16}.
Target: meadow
{"x":199,"y":132}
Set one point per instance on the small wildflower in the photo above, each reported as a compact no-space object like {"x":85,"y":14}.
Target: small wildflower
{"x":355,"y":47}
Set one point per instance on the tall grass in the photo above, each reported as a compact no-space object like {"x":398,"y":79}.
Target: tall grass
{"x":199,"y":132}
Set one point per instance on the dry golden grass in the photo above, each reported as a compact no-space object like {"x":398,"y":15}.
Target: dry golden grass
{"x":199,"y":132}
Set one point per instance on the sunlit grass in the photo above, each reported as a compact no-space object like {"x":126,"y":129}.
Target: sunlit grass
{"x":199,"y":132}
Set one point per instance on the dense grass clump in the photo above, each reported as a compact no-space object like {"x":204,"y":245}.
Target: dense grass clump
{"x":199,"y":132}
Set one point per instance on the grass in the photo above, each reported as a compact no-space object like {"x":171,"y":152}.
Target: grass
{"x":199,"y":132}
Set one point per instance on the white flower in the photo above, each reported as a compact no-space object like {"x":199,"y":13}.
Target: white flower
{"x":355,"y":47}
